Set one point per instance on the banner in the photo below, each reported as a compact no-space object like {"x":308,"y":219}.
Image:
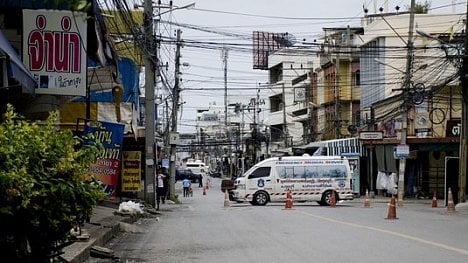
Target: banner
{"x":54,"y":50}
{"x":107,"y":167}
{"x":131,"y":171}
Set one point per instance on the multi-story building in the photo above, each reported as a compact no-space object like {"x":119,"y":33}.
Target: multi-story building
{"x":338,"y":85}
{"x":431,"y":98}
{"x":288,"y":92}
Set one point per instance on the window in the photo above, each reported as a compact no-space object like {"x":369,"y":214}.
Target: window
{"x":356,"y":78}
{"x":305,"y":172}
{"x":260,"y":172}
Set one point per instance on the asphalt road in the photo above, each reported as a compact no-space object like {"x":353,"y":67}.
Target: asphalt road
{"x":201,"y":229}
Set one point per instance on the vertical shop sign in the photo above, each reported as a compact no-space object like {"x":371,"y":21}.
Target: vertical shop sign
{"x":131,"y":171}
{"x":107,"y":167}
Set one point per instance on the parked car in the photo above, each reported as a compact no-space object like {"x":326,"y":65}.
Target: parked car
{"x":215,"y":174}
{"x":182,"y":173}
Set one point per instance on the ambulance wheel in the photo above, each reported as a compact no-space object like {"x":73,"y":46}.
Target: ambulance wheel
{"x":260,"y":198}
{"x":326,"y":197}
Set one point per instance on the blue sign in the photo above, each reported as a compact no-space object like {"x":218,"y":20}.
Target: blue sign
{"x":107,"y":167}
{"x":165,"y":163}
{"x":261,"y":183}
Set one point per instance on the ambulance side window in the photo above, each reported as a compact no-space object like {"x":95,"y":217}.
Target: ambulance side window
{"x":260,"y":172}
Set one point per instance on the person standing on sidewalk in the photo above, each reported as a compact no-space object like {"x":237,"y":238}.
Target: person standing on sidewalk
{"x":160,"y":188}
{"x":200,"y":180}
{"x":186,"y":185}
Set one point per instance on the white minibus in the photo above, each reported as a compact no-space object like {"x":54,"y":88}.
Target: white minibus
{"x":310,"y":178}
{"x":197,"y":167}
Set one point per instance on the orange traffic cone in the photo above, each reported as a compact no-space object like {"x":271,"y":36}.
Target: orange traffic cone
{"x":392,"y":209}
{"x":366,"y":200}
{"x":434,"y":199}
{"x":332,"y":199}
{"x":289,"y":200}
{"x":450,"y":204}
{"x":204,"y":190}
{"x":227,"y":204}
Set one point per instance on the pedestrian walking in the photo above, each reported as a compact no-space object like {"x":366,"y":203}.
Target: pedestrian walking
{"x":160,"y":187}
{"x":186,"y":185}
{"x":200,"y":180}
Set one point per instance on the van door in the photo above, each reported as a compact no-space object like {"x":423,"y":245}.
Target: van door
{"x":259,"y":179}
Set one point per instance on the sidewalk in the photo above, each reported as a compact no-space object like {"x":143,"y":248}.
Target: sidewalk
{"x":103,"y":226}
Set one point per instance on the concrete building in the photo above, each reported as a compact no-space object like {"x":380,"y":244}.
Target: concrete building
{"x":288,"y":96}
{"x":432,"y":101}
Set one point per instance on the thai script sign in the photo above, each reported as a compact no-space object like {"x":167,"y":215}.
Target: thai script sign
{"x":107,"y":167}
{"x":453,"y":128}
{"x":131,"y":171}
{"x":54,"y":50}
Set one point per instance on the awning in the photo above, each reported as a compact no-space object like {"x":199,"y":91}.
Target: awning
{"x":16,"y":68}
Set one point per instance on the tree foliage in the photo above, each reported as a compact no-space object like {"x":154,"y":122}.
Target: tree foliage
{"x":45,"y":189}
{"x":421,"y":8}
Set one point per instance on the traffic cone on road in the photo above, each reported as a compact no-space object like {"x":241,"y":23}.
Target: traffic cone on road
{"x":434,"y":199}
{"x":392,"y":209}
{"x":204,"y":190}
{"x":227,"y":204}
{"x":332,"y":199}
{"x":367,"y":200}
{"x":289,"y":200}
{"x":450,"y":204}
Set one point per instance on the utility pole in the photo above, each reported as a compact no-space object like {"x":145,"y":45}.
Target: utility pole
{"x":406,"y":89}
{"x":150,"y":55}
{"x":464,"y":122}
{"x":175,"y":106}
{"x":228,"y":130}
{"x":337,"y":97}
{"x":225,"y":58}
{"x":285,"y":124}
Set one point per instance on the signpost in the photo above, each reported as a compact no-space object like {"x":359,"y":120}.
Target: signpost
{"x":370,"y":137}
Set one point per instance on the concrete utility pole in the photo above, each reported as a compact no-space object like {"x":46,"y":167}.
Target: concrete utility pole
{"x":175,"y":106}
{"x":150,"y":54}
{"x":225,"y":58}
{"x":285,"y":124}
{"x":406,"y":88}
{"x":337,"y":97}
{"x":464,"y":122}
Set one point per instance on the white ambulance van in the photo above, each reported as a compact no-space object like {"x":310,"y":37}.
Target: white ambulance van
{"x":197,"y":167}
{"x":310,"y":178}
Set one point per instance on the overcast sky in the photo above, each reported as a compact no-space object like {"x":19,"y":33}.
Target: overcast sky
{"x":232,"y":22}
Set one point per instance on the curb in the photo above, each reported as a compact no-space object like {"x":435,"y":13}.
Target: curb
{"x":100,"y":234}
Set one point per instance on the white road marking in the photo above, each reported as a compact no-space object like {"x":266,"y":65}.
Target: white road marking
{"x":413,"y":238}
